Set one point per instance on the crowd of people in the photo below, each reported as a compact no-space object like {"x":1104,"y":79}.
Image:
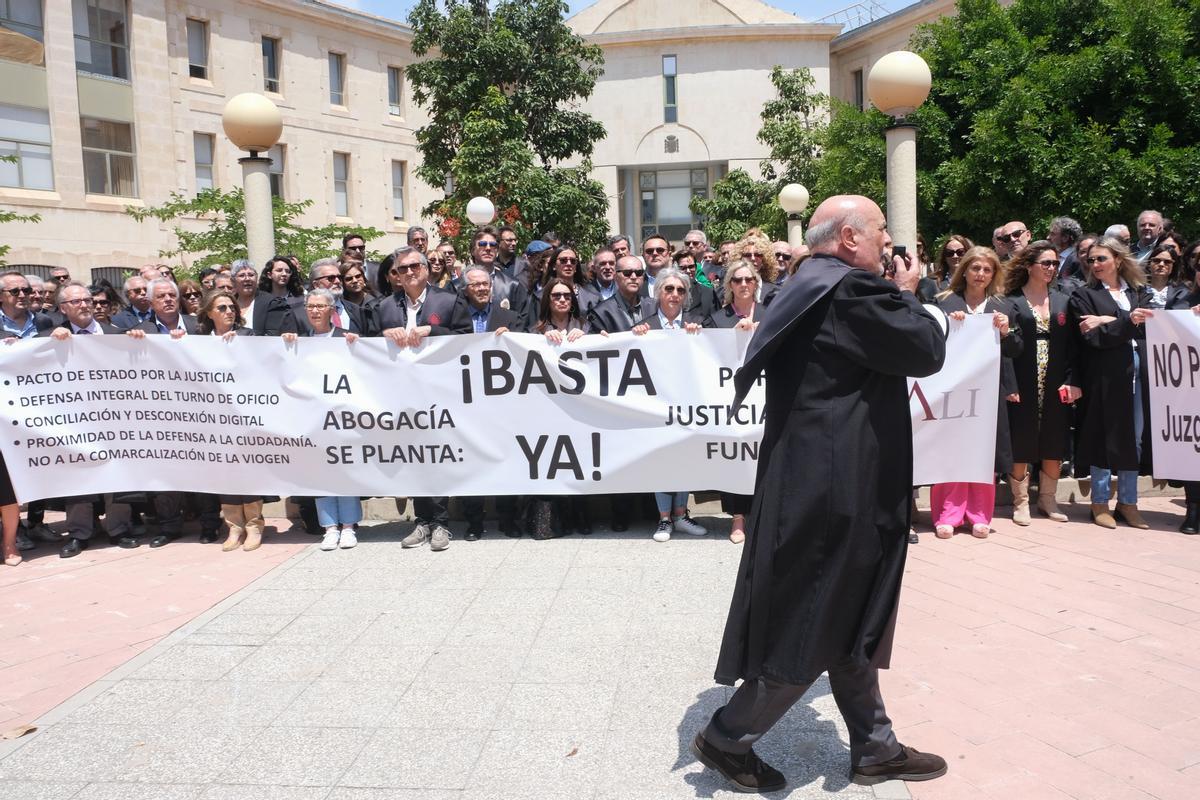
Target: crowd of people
{"x":1070,"y":310}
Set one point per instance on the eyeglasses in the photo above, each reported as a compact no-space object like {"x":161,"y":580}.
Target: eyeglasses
{"x":224,"y":308}
{"x":26,"y":291}
{"x":1168,"y":261}
{"x":1011,"y":237}
{"x":100,"y":301}
{"x":752,"y":255}
{"x":632,"y":273}
{"x":478,"y":284}
{"x":355,"y":276}
{"x":486,"y":245}
{"x":191,"y":294}
{"x":568,"y":260}
{"x":606,"y":263}
{"x":1097,"y":259}
{"x":359,"y":247}
{"x":60,"y":278}
{"x":560,"y":295}
{"x":654,"y":251}
{"x":134,"y":291}
{"x":783,"y":256}
{"x":82,"y":301}
{"x":673,"y":290}
{"x":744,"y":279}
{"x":330,"y":278}
{"x":1049,"y":264}
{"x":316,"y":307}
{"x":693,"y":243}
{"x":400,"y":269}
{"x":954,"y":253}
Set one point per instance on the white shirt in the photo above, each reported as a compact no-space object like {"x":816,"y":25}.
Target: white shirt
{"x":93,"y":328}
{"x":413,"y":309}
{"x":670,"y":325}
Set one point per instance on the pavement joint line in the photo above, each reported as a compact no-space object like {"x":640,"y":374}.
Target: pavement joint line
{"x":98,"y":687}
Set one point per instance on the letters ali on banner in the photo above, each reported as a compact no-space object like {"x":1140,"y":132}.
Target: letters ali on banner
{"x":462,"y":415}
{"x":1173,"y":339}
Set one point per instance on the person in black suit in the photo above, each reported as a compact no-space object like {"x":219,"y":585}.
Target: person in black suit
{"x":138,"y":310}
{"x":414,"y":311}
{"x":75,"y":304}
{"x":974,"y":289}
{"x":326,"y":274}
{"x":622,"y":311}
{"x":505,"y":287}
{"x":1113,"y":431}
{"x":1047,"y":383}
{"x":356,"y":245}
{"x":164,"y":303}
{"x":1164,"y":267}
{"x":265,"y":313}
{"x":489,"y":316}
{"x":564,"y":265}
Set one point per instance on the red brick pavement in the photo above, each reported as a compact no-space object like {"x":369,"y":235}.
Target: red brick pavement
{"x":1054,"y":661}
{"x":65,"y":623}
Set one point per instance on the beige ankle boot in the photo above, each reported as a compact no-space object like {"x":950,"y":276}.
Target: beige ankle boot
{"x":236,"y":520}
{"x":1020,"y":495}
{"x":1048,"y":498}
{"x":1102,"y":516}
{"x":254,"y":526}
{"x":1132,"y":517}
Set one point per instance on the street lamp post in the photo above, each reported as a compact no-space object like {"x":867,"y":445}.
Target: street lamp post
{"x":898,"y":83}
{"x":252,"y":122}
{"x":480,"y":211}
{"x":793,"y":199}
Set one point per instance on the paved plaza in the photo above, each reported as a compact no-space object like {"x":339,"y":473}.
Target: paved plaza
{"x":1056,"y":661}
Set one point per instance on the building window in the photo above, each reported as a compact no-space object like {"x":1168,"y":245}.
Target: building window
{"x":395,"y":91}
{"x":23,"y":17}
{"x":25,"y":136}
{"x":337,"y":79}
{"x":277,"y":155}
{"x":109,"y":166}
{"x":666,"y":196}
{"x":101,"y":37}
{"x":856,"y":78}
{"x":670,"y":112}
{"x":197,"y":36}
{"x":398,"y":189}
{"x":202,"y":147}
{"x":271,"y":53}
{"x":341,"y":184}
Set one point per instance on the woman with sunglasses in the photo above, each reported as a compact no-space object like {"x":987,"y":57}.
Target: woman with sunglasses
{"x":1163,"y":266}
{"x":355,"y":288}
{"x":756,"y":248}
{"x":949,"y":257}
{"x":1040,"y":417}
{"x":1112,"y":430}
{"x":1189,"y":299}
{"x":672,"y":295}
{"x":190,"y":296}
{"x":564,"y":264}
{"x":975,"y":289}
{"x":105,"y":302}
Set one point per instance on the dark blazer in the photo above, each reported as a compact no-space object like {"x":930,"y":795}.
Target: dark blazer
{"x":51,"y":319}
{"x":272,"y":315}
{"x":610,"y":315}
{"x":726,"y":318}
{"x":190,"y":324}
{"x":110,"y":330}
{"x":1104,"y":430}
{"x":655,"y":323}
{"x":126,"y":320}
{"x":354,"y":320}
{"x":1010,"y":348}
{"x":444,"y":311}
{"x":338,"y":333}
{"x":1038,"y":436}
{"x":500,"y":317}
{"x":1184,"y":300}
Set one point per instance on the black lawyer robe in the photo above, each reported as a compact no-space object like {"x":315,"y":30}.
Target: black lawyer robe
{"x":1104,"y":430}
{"x":827,"y":534}
{"x":1034,"y":438}
{"x":1010,"y":348}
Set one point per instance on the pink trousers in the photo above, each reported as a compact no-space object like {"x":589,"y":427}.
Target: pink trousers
{"x":950,"y":502}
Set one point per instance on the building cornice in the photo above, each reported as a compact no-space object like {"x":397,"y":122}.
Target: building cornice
{"x":318,"y":10}
{"x":801,"y":30}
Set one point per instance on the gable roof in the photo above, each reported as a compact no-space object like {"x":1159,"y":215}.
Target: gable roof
{"x":615,"y":16}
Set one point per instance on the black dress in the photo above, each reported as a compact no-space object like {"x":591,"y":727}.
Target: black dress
{"x":1010,"y":348}
{"x":1104,"y":435}
{"x":1040,"y":423}
{"x":7,"y":495}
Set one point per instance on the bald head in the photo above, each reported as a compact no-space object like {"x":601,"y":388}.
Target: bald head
{"x":849,"y":227}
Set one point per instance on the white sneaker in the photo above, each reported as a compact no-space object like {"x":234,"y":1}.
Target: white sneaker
{"x":685,"y":524}
{"x":663,"y":532}
{"x":330,"y":542}
{"x":349,"y":538}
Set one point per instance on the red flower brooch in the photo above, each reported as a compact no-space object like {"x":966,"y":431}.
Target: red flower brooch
{"x":1062,"y":318}
{"x":434,"y":319}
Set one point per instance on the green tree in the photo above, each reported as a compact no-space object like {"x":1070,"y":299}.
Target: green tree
{"x":501,"y":86}
{"x":223,"y":240}
{"x":12,"y":216}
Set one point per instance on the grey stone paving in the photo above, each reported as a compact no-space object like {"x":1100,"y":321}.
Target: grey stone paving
{"x":500,"y":669}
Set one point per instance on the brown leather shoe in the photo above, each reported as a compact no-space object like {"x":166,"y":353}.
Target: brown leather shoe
{"x":1102,"y":516}
{"x":910,"y":765}
{"x":746,"y":771}
{"x":1129,"y":513}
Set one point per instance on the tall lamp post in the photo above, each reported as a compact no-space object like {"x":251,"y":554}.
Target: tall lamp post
{"x":252,"y":122}
{"x":793,"y":199}
{"x":898,"y":83}
{"x":480,"y":211}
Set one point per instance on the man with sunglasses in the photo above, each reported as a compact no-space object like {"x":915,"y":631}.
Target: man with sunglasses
{"x":507,"y":256}
{"x":604,"y":272}
{"x":357,"y":245}
{"x":16,"y":297}
{"x":485,"y":247}
{"x":325,"y":274}
{"x":656,"y":252}
{"x":1010,"y":239}
{"x":139,"y":310}
{"x":629,"y":304}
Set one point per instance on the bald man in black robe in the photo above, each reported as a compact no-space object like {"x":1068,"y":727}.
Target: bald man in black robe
{"x":819,"y":582}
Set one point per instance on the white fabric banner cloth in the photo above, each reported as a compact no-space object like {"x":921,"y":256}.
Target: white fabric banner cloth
{"x":954,"y":410}
{"x":1173,"y":342}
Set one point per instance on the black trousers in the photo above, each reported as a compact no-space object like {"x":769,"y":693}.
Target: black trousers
{"x":506,"y":508}
{"x":757,"y":705}
{"x":1191,"y":491}
{"x":432,"y":510}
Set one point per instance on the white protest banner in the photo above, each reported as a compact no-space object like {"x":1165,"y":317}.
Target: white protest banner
{"x":1173,"y":342}
{"x":954,"y":410}
{"x":461,"y":415}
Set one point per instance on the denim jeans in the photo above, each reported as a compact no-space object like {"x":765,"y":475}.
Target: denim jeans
{"x":332,"y":510}
{"x":1126,"y":478}
{"x":668,"y":501}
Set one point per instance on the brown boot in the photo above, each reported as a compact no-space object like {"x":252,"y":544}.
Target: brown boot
{"x":236,"y":520}
{"x":254,"y":526}
{"x":1129,"y":513}
{"x":1102,"y":516}
{"x":1020,"y":495}
{"x":1047,"y":498}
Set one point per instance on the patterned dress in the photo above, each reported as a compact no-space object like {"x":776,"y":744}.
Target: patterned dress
{"x":1043,"y":351}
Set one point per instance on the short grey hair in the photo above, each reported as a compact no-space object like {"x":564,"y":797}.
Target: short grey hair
{"x":1070,"y":227}
{"x":673,"y":272}
{"x":239,"y":265}
{"x":401,"y":252}
{"x":325,"y":295}
{"x":70,"y":285}
{"x":152,"y":287}
{"x":1119,"y":231}
{"x":825,"y":233}
{"x":125,"y":286}
{"x":703,"y":236}
{"x":476,"y":268}
{"x":415,"y":229}
{"x":35,"y":280}
{"x":323,"y":262}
